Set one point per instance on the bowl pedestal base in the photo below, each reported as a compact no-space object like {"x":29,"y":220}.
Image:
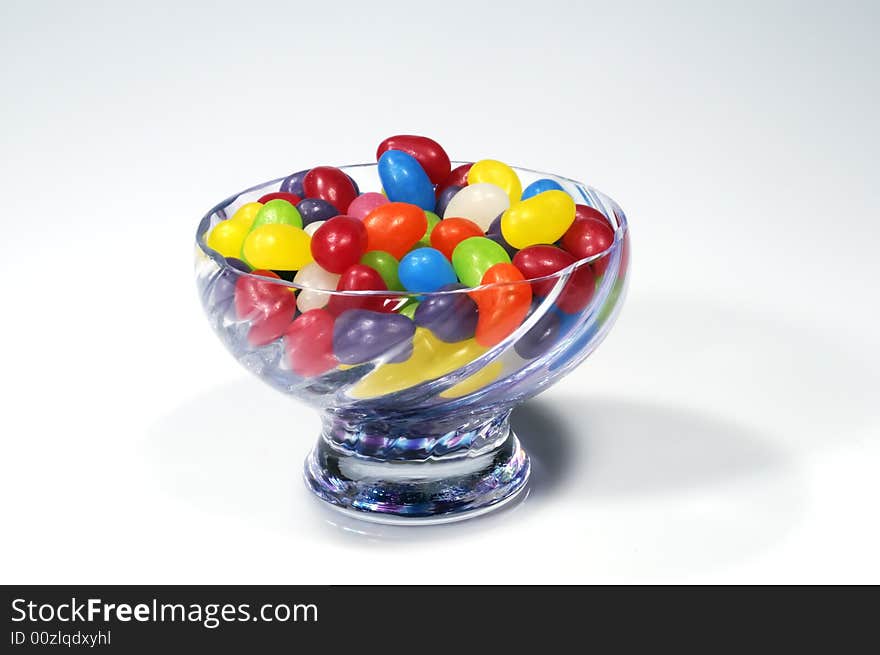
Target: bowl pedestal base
{"x":435,"y":489}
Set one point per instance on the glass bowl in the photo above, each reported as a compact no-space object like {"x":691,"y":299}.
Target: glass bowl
{"x":415,"y":423}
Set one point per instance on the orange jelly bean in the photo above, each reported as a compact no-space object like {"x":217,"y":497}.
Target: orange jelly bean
{"x":502,"y":308}
{"x":395,"y":228}
{"x":449,"y":232}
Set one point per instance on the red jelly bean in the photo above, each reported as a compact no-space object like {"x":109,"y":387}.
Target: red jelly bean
{"x":308,"y":342}
{"x":457,"y":176}
{"x":339,"y":243}
{"x":360,"y":277}
{"x":589,"y":235}
{"x":585,"y":211}
{"x":539,"y":261}
{"x":330,"y":184}
{"x":449,"y":232}
{"x":395,"y":228}
{"x":270,"y":307}
{"x":502,"y":308}
{"x":427,"y":152}
{"x":292,"y":198}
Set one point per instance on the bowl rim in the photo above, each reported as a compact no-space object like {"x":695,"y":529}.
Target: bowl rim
{"x":620,"y":232}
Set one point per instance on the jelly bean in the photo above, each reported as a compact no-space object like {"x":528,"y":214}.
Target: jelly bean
{"x":494,"y":226}
{"x":450,"y":316}
{"x":452,"y":231}
{"x":424,"y":270}
{"x":238,"y":265}
{"x":330,"y":184}
{"x":588,"y":237}
{"x":308,"y":342}
{"x":269,"y":306}
{"x":457,"y":176}
{"x":292,"y":198}
{"x":404,"y":180}
{"x":474,"y":256}
{"x":227,"y":236}
{"x":311,"y":228}
{"x":540,"y":337}
{"x":247,"y":213}
{"x":585,"y":211}
{"x":277,"y":212}
{"x":444,"y":197}
{"x":365,"y":203}
{"x":277,"y":246}
{"x":395,"y":227}
{"x":503,"y":305}
{"x":294,"y":183}
{"x":540,"y":261}
{"x":543,"y":218}
{"x":339,"y":243}
{"x":431,"y":358}
{"x":499,"y":239}
{"x":489,"y":373}
{"x":540,"y":186}
{"x":385,"y":265}
{"x":498,"y":173}
{"x":360,"y":278}
{"x":430,"y":154}
{"x":480,"y":203}
{"x":409,"y":309}
{"x":433,"y":220}
{"x":361,"y":336}
{"x":315,"y":209}
{"x":315,"y":282}
{"x":357,"y":189}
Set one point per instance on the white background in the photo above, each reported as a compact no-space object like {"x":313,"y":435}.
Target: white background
{"x":727,"y":430}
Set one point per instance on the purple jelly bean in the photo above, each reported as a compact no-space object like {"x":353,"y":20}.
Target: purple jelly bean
{"x":539,"y":338}
{"x":294,"y":183}
{"x":444,"y":198}
{"x":360,"y":335}
{"x":495,"y":226}
{"x":499,"y":239}
{"x":315,"y":209}
{"x":451,"y":317}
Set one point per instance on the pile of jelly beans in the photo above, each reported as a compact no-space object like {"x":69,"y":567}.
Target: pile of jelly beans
{"x":431,"y":228}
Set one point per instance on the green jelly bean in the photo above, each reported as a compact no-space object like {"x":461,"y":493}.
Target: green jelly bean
{"x":474,"y":256}
{"x":278,"y":211}
{"x":385,"y":265}
{"x":425,"y":241}
{"x":409,"y":309}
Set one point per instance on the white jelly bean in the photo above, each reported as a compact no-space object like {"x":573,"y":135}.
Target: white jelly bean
{"x":314,"y":279}
{"x":311,"y":228}
{"x":480,"y":203}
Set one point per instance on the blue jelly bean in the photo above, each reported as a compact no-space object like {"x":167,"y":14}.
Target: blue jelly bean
{"x":540,"y":186}
{"x":315,"y":209}
{"x":540,"y":338}
{"x":404,"y":179}
{"x":424,"y":270}
{"x":444,"y":198}
{"x":360,"y":335}
{"x":451,"y":317}
{"x":294,"y":183}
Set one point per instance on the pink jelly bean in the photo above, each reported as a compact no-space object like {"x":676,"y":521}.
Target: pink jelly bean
{"x":365,"y":203}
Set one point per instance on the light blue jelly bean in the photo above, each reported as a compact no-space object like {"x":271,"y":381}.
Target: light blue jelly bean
{"x":404,"y":180}
{"x":424,"y":270}
{"x":540,"y":186}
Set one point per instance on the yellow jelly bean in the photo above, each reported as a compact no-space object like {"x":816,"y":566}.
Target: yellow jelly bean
{"x":497,"y":173}
{"x":474,"y":382}
{"x":247,"y":213}
{"x":227,"y":236}
{"x":277,"y":247}
{"x":431,"y":358}
{"x":543,"y":218}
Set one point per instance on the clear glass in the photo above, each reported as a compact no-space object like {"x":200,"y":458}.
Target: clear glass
{"x":420,"y":433}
